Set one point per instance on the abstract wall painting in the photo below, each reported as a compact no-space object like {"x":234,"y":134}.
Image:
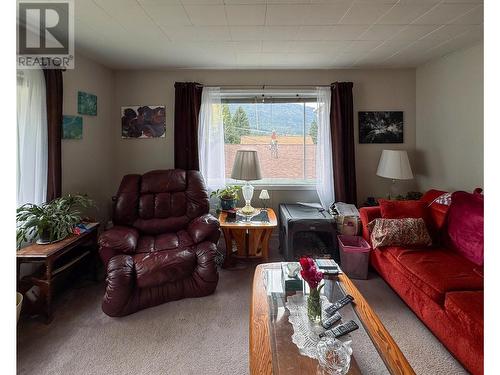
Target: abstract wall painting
{"x":145,"y":121}
{"x":381,"y":127}
{"x":72,"y":127}
{"x":87,"y":104}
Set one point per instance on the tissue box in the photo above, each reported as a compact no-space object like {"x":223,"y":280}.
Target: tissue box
{"x":290,"y":284}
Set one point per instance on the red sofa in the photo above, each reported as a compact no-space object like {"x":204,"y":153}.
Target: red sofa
{"x":441,"y":286}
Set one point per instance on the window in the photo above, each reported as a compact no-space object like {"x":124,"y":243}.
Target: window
{"x":281,"y":126}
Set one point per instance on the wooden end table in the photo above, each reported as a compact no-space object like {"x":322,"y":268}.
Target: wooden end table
{"x":56,"y":257}
{"x":251,"y":238}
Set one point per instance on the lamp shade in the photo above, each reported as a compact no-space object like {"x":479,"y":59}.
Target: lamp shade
{"x":394,"y":164}
{"x":246,"y":166}
{"x":264,"y":194}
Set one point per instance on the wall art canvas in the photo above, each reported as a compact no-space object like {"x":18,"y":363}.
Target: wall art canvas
{"x":72,"y":127}
{"x":87,"y":104}
{"x":381,"y":127}
{"x":145,"y":121}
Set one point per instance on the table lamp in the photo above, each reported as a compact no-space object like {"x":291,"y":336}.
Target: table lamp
{"x":246,"y":167}
{"x":394,"y":164}
{"x":264,"y":196}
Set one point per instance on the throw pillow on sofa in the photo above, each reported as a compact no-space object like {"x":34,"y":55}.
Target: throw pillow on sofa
{"x":399,"y":232}
{"x":392,"y":209}
{"x":466,"y":225}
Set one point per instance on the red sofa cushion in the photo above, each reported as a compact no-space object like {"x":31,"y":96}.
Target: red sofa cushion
{"x":391,"y":209}
{"x":467,"y":308}
{"x":436,"y":271}
{"x":466,"y":225}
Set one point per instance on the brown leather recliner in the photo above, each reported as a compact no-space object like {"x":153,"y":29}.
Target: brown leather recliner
{"x":163,"y":243}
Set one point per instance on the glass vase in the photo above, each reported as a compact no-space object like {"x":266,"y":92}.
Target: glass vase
{"x":314,"y":306}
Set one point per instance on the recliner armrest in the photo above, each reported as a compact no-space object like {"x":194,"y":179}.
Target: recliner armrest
{"x":204,"y":228}
{"x":117,"y":240}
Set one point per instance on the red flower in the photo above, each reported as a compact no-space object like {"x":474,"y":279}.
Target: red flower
{"x":310,"y":273}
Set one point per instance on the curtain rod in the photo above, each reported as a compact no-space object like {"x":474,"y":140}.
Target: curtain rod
{"x":264,"y":86}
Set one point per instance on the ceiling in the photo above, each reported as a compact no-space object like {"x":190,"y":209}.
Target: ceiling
{"x":274,"y":33}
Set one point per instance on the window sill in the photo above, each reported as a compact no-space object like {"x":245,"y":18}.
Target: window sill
{"x":289,"y":187}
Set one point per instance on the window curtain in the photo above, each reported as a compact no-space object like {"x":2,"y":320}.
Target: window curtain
{"x":324,"y":163}
{"x":211,"y":139}
{"x":187,"y":109}
{"x":32,"y":139}
{"x":54,"y":95}
{"x":342,"y":131}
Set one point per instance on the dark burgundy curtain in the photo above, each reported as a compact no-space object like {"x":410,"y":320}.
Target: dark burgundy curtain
{"x":54,"y":98}
{"x":342,"y":125}
{"x":187,"y":109}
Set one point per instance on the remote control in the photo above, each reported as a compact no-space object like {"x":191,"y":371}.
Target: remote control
{"x":339,"y":304}
{"x":340,"y":330}
{"x":329,"y":322}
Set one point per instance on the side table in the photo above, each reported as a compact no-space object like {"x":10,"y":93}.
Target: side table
{"x":251,"y":238}
{"x":57,"y":257}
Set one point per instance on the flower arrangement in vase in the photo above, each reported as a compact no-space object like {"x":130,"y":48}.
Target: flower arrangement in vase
{"x":313,"y":277}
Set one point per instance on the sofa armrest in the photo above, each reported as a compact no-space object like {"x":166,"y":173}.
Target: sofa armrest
{"x":204,"y":228}
{"x":367,"y":214}
{"x":119,"y":285}
{"x":117,"y":240}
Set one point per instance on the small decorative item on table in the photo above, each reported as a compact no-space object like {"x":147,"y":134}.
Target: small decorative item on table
{"x":334,"y":356}
{"x":313,"y":277}
{"x":290,"y":277}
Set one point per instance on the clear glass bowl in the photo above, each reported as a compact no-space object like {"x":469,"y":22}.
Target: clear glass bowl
{"x":334,"y":356}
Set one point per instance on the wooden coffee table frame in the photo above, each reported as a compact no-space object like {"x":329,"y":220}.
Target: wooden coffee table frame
{"x":260,"y":343}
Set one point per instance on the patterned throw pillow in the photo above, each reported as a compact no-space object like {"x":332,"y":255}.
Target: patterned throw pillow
{"x":443,"y":199}
{"x":399,"y":232}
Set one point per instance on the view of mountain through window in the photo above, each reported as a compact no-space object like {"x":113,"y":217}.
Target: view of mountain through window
{"x":283,"y":132}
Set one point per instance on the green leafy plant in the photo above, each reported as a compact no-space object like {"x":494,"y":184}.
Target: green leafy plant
{"x":52,"y":221}
{"x":229,"y":192}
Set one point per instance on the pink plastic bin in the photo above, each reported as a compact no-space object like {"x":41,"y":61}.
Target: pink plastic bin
{"x":354,"y":256}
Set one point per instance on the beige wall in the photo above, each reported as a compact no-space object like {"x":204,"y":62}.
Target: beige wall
{"x":392,"y":89}
{"x":87,"y":163}
{"x":450,"y":121}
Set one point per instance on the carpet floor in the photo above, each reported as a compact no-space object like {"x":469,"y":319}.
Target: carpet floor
{"x":207,"y":335}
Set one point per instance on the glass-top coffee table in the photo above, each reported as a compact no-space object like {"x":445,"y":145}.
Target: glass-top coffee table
{"x":273,"y":352}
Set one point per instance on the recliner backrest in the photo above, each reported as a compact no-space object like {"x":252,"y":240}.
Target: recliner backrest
{"x":160,"y":201}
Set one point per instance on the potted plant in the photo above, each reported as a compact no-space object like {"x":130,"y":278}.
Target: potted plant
{"x":50,"y":222}
{"x":228,"y":196}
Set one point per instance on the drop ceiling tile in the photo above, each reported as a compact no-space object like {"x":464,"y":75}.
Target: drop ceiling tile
{"x":198,"y":33}
{"x":365,"y":13}
{"x":414,"y":32}
{"x":247,"y":2}
{"x":246,"y":14}
{"x":474,"y":17}
{"x":248,"y":59}
{"x":275,"y":46}
{"x":402,"y":14}
{"x":263,"y":32}
{"x":158,"y":2}
{"x":362,"y":46}
{"x":347,"y":32}
{"x":168,"y":15}
{"x":443,"y":13}
{"x":325,"y":14}
{"x":248,"y":46}
{"x":381,"y":32}
{"x":315,"y":33}
{"x":206,"y":15}
{"x":202,"y":2}
{"x":317,"y":46}
{"x":464,"y":1}
{"x":282,"y":15}
{"x":448,"y":32}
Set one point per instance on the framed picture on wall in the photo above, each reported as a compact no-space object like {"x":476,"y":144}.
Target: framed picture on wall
{"x":381,"y":127}
{"x":143,"y":121}
{"x":72,"y":127}
{"x":87,"y":104}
